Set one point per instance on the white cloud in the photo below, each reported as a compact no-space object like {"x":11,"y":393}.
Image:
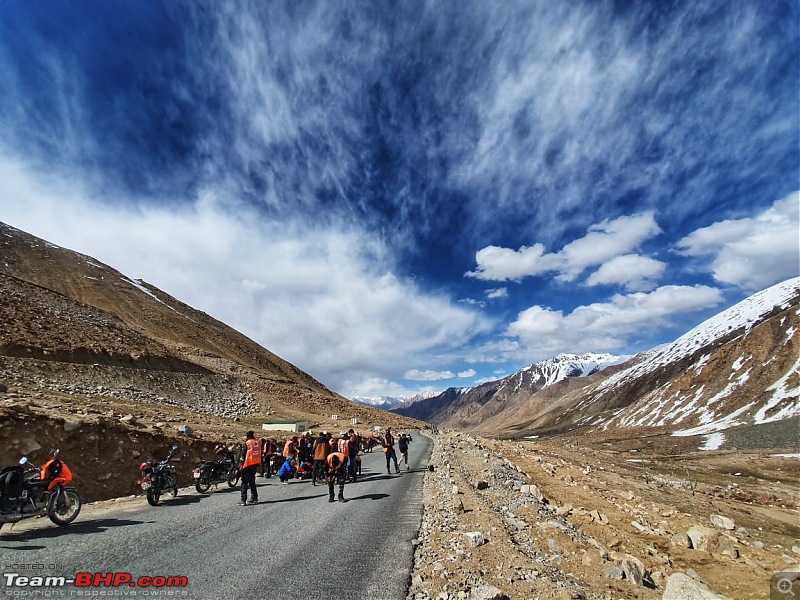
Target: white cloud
{"x":373,"y":387}
{"x":503,"y":264}
{"x":324,"y":299}
{"x":751,"y":253}
{"x":603,"y":242}
{"x":467,"y":373}
{"x":605,"y":326}
{"x":427,"y":375}
{"x":497,"y":293}
{"x":606,"y":241}
{"x":633,"y":272}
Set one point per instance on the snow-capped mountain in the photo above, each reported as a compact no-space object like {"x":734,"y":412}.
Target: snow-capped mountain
{"x":553,"y":370}
{"x":465,"y":407}
{"x":740,"y":368}
{"x":392,"y":402}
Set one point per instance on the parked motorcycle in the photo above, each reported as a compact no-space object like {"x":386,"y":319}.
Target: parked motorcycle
{"x":30,"y":491}
{"x":160,"y":477}
{"x":210,"y":472}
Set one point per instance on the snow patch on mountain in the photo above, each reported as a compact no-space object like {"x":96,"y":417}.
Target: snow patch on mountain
{"x":740,"y":316}
{"x":391,"y":402}
{"x":565,"y":365}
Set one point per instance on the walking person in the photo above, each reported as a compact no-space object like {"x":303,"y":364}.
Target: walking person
{"x":388,"y":449}
{"x":337,"y":473}
{"x":251,"y":453}
{"x":402,"y":446}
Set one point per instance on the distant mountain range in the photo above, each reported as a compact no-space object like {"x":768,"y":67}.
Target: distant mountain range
{"x":741,"y":367}
{"x":393,"y":402}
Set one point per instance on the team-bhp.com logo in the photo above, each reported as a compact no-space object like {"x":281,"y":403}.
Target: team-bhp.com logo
{"x":95,"y":580}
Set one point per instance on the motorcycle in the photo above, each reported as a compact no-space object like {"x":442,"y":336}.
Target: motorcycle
{"x":159,"y":477}
{"x":30,"y":491}
{"x":210,"y":472}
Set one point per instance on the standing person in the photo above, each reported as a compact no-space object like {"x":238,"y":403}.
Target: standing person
{"x":290,"y":448}
{"x":343,"y":447}
{"x":303,"y":448}
{"x":353,"y":446}
{"x":266,"y":459}
{"x":337,"y":472}
{"x":321,"y":451}
{"x":402,"y":446}
{"x":251,"y":451}
{"x":388,"y":449}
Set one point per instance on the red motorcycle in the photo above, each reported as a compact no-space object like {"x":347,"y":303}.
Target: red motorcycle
{"x":29,"y":491}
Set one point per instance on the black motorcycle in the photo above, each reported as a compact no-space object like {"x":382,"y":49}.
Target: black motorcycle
{"x":159,"y":477}
{"x":213,"y":472}
{"x":30,"y":491}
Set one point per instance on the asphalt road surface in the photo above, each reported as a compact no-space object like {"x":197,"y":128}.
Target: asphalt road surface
{"x":294,"y":544}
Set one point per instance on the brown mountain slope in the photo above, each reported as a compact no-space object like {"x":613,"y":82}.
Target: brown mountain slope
{"x":82,"y":346}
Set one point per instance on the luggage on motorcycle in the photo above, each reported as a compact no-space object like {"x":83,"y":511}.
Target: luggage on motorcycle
{"x":11,"y":481}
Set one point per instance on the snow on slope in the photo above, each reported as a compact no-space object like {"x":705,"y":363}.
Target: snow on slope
{"x":573,"y":365}
{"x":742,"y":315}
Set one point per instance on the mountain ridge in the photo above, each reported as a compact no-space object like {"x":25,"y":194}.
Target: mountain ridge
{"x":634,"y":392}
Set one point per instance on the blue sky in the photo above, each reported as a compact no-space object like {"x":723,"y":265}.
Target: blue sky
{"x":405,"y":196}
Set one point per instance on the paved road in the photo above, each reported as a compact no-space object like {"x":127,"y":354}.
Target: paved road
{"x":294,"y":544}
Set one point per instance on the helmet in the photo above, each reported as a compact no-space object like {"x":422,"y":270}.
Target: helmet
{"x":219,"y":449}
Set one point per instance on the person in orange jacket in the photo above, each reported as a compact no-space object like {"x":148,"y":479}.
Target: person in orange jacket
{"x":321,"y":451}
{"x":337,"y":472}
{"x":251,"y":461}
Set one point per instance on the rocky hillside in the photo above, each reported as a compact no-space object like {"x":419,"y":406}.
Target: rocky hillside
{"x":83,"y":347}
{"x":623,"y":519}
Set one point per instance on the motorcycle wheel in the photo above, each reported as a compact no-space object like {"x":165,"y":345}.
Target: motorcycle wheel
{"x":63,"y":510}
{"x":152,"y":496}
{"x":174,"y":482}
{"x":233,"y":479}
{"x":202,"y":485}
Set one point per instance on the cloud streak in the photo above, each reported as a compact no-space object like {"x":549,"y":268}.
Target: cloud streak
{"x":338,"y":168}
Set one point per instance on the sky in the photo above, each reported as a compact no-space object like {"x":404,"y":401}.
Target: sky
{"x":400,"y":197}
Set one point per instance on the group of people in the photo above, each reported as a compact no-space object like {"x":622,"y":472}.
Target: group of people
{"x":324,"y":458}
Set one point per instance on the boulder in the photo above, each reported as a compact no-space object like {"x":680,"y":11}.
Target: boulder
{"x":710,"y":540}
{"x":682,"y":587}
{"x":633,"y":569}
{"x":72,"y":424}
{"x":722,"y":522}
{"x":488,"y":592}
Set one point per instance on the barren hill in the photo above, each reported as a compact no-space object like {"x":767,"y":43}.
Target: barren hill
{"x":83,"y":345}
